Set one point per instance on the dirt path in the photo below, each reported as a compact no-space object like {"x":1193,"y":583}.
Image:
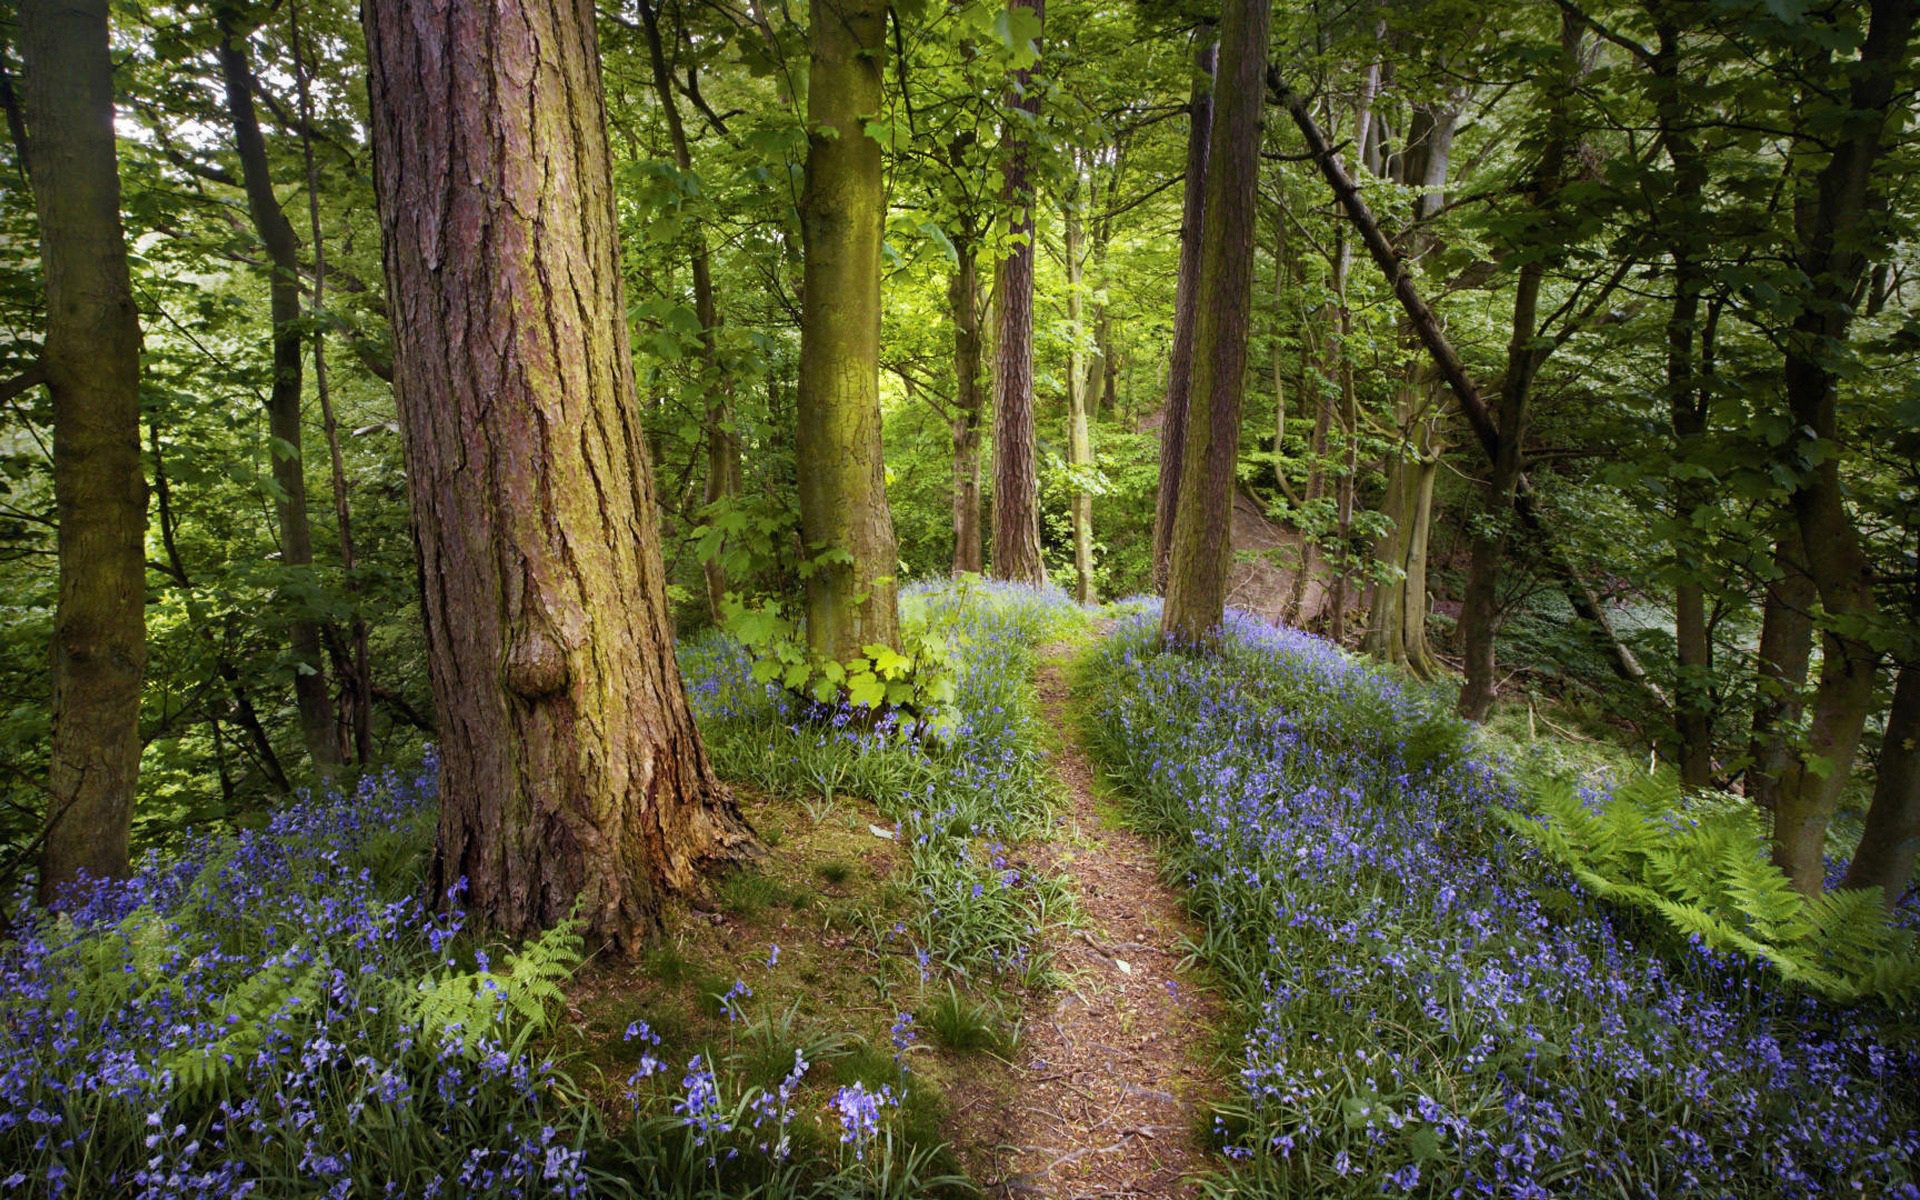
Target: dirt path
{"x":1111,"y":1078}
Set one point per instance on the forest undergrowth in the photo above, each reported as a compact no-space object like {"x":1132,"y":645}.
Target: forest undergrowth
{"x":1428,"y":1005}
{"x":280,"y":1012}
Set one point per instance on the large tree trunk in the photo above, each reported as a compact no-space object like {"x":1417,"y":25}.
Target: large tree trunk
{"x":852,"y":600}
{"x":311,"y":695}
{"x":1202,"y":530}
{"x":1079,"y":440}
{"x":1186,"y":306}
{"x":1891,"y":837}
{"x":1832,"y":254}
{"x":92,"y":365}
{"x":1785,"y":650}
{"x":963,"y":297}
{"x":357,"y":676}
{"x":723,"y":445}
{"x":1016,"y":482}
{"x":571,"y":772}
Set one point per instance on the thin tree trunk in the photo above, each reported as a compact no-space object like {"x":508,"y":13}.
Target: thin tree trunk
{"x":357,"y":684}
{"x":245,"y":714}
{"x":963,"y":298}
{"x":723,"y":445}
{"x":1891,"y":837}
{"x":851,"y":598}
{"x":92,"y":362}
{"x":573,"y":780}
{"x":1016,"y":482}
{"x":1079,"y":442}
{"x":1831,"y":253}
{"x":1782,"y":658}
{"x":1349,"y":429}
{"x":1202,"y":546}
{"x":311,"y":694}
{"x":1186,"y":300}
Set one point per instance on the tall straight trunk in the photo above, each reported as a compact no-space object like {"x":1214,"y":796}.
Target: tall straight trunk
{"x":311,"y":695}
{"x":1891,"y":837}
{"x":1186,"y":299}
{"x":1687,"y":401}
{"x":571,"y":772}
{"x":1349,"y":430}
{"x":1202,"y":544}
{"x":1016,"y":482}
{"x":1079,"y":440}
{"x":1782,"y":657}
{"x":91,"y":360}
{"x":1480,"y":615}
{"x":1397,"y":618}
{"x":1833,"y":230}
{"x":356,"y":685}
{"x":1480,"y":611}
{"x":963,"y":299}
{"x":852,"y":597}
{"x":723,"y":445}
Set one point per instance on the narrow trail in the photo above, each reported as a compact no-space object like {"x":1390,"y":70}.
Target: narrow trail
{"x":1112,"y":1076}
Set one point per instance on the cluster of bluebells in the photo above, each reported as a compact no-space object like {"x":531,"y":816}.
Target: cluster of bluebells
{"x":859,"y":1111}
{"x":232,"y":1017}
{"x":1429,"y":1005}
{"x":959,"y":792}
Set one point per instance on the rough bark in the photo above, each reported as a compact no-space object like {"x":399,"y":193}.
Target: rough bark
{"x":963,"y":298}
{"x":1079,"y":440}
{"x":356,"y":683}
{"x":1782,"y":658}
{"x":311,"y":695}
{"x":1891,"y":838}
{"x":571,"y":772}
{"x":1202,"y":533}
{"x":1016,"y":481}
{"x":91,"y":358}
{"x":1833,"y":235}
{"x":852,"y":600}
{"x":1186,"y":306}
{"x":723,"y":445}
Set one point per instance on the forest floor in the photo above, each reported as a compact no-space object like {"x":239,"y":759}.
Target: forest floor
{"x":1110,"y":1088}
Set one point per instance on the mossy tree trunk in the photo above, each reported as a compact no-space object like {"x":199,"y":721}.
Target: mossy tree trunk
{"x":1834,"y":226}
{"x":318,"y":725}
{"x":1891,"y":837}
{"x":1016,"y":480}
{"x":1203,"y":520}
{"x":1782,"y":657}
{"x":963,"y":298}
{"x":91,"y":365}
{"x":571,"y":771}
{"x":1173,"y":423}
{"x":852,"y":594}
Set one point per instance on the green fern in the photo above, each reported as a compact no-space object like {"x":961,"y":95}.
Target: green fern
{"x":1704,"y":871}
{"x":246,"y":1013}
{"x":511,"y":1004}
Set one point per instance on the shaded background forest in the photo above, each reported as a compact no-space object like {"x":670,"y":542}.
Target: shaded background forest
{"x":1654,"y":260}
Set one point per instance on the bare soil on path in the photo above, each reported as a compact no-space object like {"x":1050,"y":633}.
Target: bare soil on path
{"x":1114,"y":1071}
